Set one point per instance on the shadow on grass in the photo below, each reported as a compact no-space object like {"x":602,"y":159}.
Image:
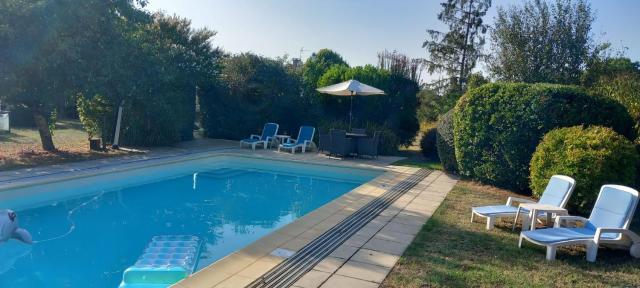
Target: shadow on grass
{"x":11,"y":137}
{"x":69,"y":124}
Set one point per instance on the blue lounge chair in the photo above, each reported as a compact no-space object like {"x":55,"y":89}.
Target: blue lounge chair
{"x":269,"y":132}
{"x":305,"y":139}
{"x":608,"y":224}
{"x":556,"y":193}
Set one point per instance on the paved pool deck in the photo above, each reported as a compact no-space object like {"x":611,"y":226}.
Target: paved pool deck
{"x":364,"y":260}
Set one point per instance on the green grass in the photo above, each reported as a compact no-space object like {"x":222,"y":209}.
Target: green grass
{"x":452,"y":252}
{"x":419,"y":163}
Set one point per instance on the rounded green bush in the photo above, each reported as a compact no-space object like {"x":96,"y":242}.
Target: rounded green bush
{"x":445,"y":142}
{"x":593,"y":156}
{"x":428,"y":144}
{"x":497,"y":126}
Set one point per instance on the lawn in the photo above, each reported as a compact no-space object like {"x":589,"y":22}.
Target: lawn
{"x":21,"y":148}
{"x":452,"y":252}
{"x":413,"y":154}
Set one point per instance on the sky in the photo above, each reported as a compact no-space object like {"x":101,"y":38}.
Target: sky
{"x":358,"y":29}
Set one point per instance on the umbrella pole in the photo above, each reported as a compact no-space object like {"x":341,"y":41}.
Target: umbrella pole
{"x":350,"y":110}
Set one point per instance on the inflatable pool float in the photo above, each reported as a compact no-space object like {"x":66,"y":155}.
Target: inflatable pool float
{"x":166,"y":260}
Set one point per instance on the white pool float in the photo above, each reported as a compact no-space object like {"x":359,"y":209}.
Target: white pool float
{"x":166,"y":260}
{"x":9,"y":228}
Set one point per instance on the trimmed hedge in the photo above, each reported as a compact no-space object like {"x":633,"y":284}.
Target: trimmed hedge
{"x":445,"y":142}
{"x":428,"y":144}
{"x":498,"y":126}
{"x":593,"y":156}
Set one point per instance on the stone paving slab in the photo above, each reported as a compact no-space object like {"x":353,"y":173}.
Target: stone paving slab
{"x":372,"y":262}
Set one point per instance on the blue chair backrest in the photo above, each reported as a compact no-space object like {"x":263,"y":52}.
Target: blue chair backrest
{"x":558,"y":191}
{"x":614,"y":207}
{"x":269,"y":130}
{"x":305,"y":134}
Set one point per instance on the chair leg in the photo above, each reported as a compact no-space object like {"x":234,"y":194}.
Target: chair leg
{"x":520,"y":241}
{"x":592,"y":252}
{"x":526,"y":222}
{"x":472,"y":217}
{"x":490,"y":222}
{"x":551,"y":253}
{"x":634,"y":250}
{"x":253,"y":146}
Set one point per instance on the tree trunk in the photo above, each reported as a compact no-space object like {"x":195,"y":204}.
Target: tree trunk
{"x":43,"y":128}
{"x":463,"y":63}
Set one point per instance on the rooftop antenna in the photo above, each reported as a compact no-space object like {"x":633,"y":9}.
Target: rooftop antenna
{"x":301,"y":51}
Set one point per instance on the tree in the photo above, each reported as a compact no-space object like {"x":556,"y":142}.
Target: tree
{"x":48,"y":50}
{"x":538,"y":42}
{"x":602,"y":68}
{"x":317,"y":65}
{"x":167,"y":61}
{"x":456,"y":52}
{"x":400,"y":64}
{"x":253,"y":90}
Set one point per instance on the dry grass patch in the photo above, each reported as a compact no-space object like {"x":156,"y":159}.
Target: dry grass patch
{"x":452,"y":252}
{"x":21,"y":148}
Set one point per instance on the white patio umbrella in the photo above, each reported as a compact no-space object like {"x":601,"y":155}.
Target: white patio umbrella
{"x":350,"y":88}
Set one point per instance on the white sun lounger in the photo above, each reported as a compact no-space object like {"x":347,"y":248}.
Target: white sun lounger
{"x":556,"y":193}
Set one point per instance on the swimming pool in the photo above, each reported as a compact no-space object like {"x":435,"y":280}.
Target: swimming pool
{"x":88,"y":230}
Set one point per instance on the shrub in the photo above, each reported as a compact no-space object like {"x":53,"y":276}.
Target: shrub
{"x":428,"y":144}
{"x":592,"y":156}
{"x":445,"y":142}
{"x":498,"y":126}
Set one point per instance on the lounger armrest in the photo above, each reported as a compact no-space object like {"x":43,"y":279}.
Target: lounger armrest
{"x":269,"y":139}
{"x":511,"y":200}
{"x":291,"y":140}
{"x":254,"y":136}
{"x":559,"y":220}
{"x":308,"y":143}
{"x":633,"y":236}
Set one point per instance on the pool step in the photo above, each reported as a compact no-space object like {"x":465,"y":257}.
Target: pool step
{"x":166,"y":260}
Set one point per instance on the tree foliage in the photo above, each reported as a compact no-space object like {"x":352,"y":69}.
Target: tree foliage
{"x":400,"y":64}
{"x":50,"y":49}
{"x":538,"y":42}
{"x":445,"y":142}
{"x":455,"y":52}
{"x":317,"y":65}
{"x":253,"y":90}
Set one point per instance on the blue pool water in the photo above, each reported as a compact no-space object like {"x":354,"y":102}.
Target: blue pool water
{"x":89,"y":236}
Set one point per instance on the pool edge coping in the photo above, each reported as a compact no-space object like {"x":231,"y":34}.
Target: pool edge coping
{"x":43,"y":179}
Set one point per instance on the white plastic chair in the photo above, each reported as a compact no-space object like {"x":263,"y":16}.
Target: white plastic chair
{"x":608,"y":224}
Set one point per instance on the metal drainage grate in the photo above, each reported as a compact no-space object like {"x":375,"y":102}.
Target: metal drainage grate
{"x":293,"y":268}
